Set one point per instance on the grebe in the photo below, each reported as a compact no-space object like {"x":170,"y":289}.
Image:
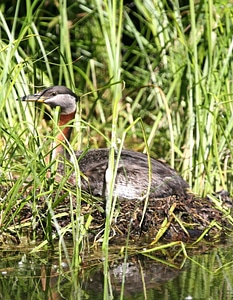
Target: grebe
{"x":132,"y":178}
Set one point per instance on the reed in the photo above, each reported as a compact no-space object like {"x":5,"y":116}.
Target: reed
{"x":166,"y":67}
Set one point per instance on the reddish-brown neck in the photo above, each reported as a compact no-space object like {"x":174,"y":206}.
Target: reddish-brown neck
{"x":64,"y":135}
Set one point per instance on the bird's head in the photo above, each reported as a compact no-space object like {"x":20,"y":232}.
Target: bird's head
{"x":56,"y":96}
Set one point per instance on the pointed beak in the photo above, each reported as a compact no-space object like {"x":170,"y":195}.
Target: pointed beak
{"x":34,"y":98}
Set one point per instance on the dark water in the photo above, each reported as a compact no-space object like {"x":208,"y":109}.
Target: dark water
{"x":44,"y":276}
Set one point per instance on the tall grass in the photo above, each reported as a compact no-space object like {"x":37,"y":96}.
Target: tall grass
{"x":166,"y":67}
{"x":110,"y":17}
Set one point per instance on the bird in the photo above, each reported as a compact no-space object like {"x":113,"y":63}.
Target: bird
{"x":134,"y":179}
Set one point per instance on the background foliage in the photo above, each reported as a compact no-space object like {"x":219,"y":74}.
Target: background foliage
{"x":160,"y":69}
{"x":167,"y":62}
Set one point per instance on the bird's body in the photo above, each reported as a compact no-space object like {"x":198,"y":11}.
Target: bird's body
{"x":133,"y":176}
{"x":133,"y":179}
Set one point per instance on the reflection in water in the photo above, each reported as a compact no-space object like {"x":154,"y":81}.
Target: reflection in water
{"x":208,"y":276}
{"x":49,"y":281}
{"x":139,"y":274}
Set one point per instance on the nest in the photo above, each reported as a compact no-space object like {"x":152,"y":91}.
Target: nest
{"x":172,"y":218}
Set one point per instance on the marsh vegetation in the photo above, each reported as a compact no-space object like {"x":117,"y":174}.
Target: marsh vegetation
{"x":152,"y":76}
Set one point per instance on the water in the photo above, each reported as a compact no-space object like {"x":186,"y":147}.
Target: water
{"x":42,"y":276}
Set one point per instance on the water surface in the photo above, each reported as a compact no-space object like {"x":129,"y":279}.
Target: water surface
{"x":44,"y":276}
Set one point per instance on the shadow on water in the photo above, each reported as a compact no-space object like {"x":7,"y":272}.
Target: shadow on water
{"x":44,"y":276}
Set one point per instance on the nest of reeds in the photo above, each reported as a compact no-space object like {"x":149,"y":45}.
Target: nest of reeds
{"x":170,"y":218}
{"x":188,"y":218}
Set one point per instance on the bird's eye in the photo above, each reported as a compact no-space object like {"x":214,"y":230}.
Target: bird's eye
{"x":54,"y":94}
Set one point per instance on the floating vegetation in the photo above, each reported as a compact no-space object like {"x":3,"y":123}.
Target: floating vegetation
{"x":51,"y":216}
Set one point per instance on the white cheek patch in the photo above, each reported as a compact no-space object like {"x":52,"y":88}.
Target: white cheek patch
{"x":72,"y":104}
{"x":66,"y":102}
